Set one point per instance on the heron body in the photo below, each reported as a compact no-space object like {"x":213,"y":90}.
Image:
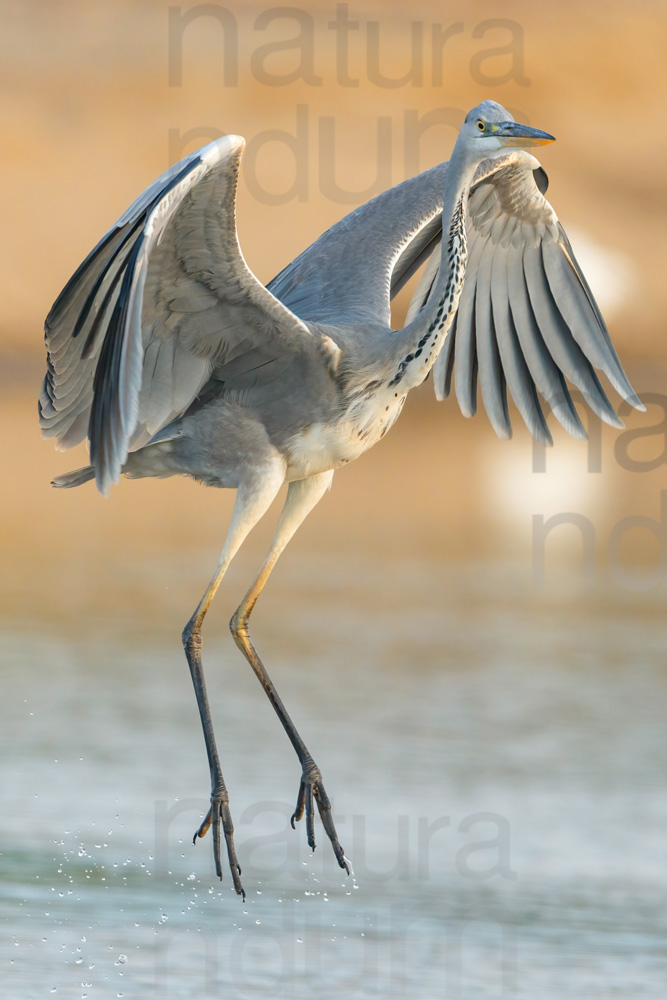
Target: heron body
{"x":217,"y":443}
{"x":312,"y":435}
{"x":168,"y":354}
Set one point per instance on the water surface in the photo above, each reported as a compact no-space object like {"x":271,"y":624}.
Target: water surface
{"x":496,"y":761}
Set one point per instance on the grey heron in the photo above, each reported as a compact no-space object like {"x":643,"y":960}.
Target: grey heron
{"x":169,"y":355}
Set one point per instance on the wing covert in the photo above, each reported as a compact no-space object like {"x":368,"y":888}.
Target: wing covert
{"x":352,"y":271}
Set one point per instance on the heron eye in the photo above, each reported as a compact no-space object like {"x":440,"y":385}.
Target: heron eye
{"x":481,"y":126}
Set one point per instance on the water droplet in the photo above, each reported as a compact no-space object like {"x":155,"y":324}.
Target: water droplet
{"x":121,"y":960}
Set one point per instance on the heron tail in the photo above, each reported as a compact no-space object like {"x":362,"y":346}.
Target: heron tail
{"x":76,"y":478}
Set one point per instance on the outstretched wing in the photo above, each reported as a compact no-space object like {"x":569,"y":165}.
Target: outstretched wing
{"x":350,"y":273}
{"x":162,"y":303}
{"x":526,"y":319}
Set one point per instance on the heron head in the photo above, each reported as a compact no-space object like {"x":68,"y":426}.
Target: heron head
{"x":489,"y":129}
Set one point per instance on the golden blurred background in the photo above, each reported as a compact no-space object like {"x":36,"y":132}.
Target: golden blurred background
{"x":449,"y":651}
{"x":99,"y":98}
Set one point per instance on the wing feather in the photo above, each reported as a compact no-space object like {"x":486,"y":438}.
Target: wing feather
{"x":519,"y":380}
{"x":543,"y":369}
{"x":444,"y":364}
{"x":562,"y":346}
{"x":491,"y":375}
{"x":585,"y":324}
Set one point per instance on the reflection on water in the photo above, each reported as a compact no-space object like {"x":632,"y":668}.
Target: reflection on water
{"x":496,"y":763}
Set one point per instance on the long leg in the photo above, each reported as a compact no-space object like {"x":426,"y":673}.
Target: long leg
{"x":252,"y":501}
{"x":301,"y":498}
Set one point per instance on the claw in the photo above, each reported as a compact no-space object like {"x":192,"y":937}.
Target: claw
{"x":310,"y":817}
{"x":300,"y":803}
{"x":203,"y":829}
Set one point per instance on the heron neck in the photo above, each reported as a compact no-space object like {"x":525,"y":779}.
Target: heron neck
{"x":423,"y":338}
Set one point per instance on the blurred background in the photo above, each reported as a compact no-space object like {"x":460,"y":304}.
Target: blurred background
{"x":467,"y":670}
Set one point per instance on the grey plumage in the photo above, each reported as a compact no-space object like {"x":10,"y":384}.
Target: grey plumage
{"x":172,"y":358}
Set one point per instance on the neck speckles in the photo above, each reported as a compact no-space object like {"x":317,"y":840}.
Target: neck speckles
{"x":428,"y":346}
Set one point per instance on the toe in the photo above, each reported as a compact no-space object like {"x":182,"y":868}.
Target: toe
{"x":310,"y":817}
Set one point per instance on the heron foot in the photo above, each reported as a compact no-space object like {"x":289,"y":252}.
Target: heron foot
{"x":312,"y":787}
{"x":219,"y":813}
